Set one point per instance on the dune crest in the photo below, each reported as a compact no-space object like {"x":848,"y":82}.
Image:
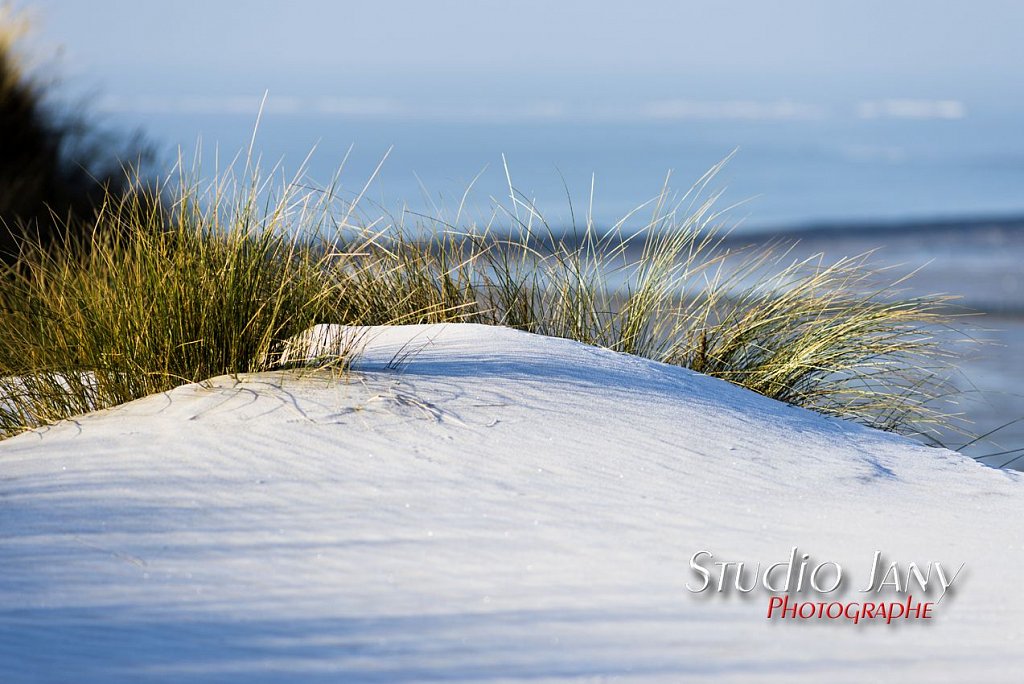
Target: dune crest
{"x":473,"y":503}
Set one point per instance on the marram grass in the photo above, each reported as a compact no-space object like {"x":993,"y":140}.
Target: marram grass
{"x":214,"y":282}
{"x":152,"y":300}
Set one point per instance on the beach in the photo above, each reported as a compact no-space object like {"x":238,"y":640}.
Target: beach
{"x":498,"y":507}
{"x":491,"y":343}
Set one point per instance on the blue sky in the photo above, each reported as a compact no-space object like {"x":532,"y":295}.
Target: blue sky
{"x":540,"y":51}
{"x":839,"y":108}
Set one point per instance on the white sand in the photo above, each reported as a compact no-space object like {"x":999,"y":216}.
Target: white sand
{"x":503,"y":507}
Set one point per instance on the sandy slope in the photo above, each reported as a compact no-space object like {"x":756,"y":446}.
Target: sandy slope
{"x":502,"y":507}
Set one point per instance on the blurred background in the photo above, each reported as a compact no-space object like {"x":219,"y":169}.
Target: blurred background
{"x":841,"y":111}
{"x":855,"y":125}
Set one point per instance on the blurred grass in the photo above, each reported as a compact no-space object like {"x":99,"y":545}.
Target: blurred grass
{"x":56,"y":167}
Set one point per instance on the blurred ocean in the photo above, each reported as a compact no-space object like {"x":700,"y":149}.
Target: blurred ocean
{"x":930,"y":185}
{"x":789,"y":172}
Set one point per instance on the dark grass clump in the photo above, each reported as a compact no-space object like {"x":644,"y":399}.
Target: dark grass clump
{"x":55,"y":168}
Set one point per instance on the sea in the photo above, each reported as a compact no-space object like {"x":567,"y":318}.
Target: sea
{"x":935,"y":190}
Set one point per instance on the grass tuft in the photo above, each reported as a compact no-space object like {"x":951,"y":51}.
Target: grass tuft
{"x":217,"y":281}
{"x":156,"y":298}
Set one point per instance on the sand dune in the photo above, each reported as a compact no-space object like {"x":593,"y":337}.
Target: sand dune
{"x":478,"y":504}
